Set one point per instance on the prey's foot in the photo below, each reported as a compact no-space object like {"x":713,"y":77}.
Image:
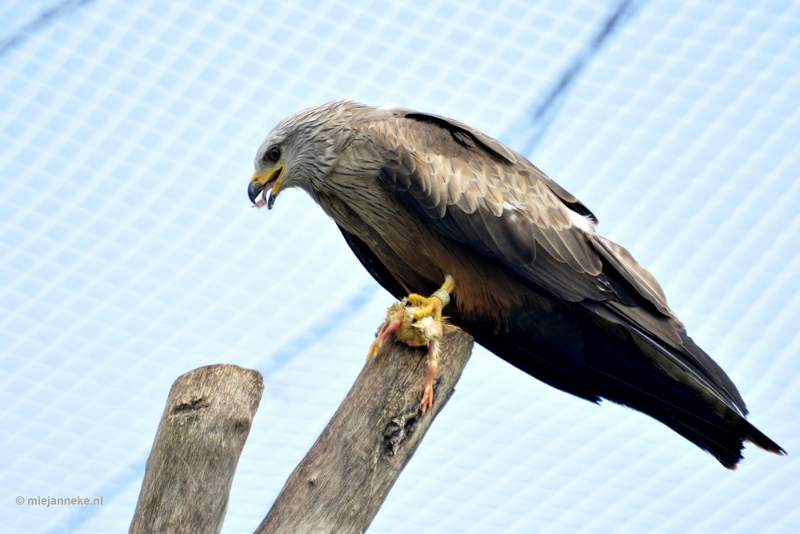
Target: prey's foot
{"x":434,"y":348}
{"x":417,"y":321}
{"x":396,"y":316}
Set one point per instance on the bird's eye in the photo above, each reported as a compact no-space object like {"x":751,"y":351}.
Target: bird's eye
{"x":274,"y":154}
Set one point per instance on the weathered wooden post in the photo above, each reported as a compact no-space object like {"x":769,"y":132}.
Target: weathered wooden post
{"x":345,"y":477}
{"x":190,"y":469}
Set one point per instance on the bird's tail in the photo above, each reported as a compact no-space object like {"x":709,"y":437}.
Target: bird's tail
{"x":579,"y":352}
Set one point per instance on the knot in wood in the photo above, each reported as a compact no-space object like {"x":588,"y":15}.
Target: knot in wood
{"x":398,"y":430}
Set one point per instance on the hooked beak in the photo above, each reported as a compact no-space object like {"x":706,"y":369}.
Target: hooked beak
{"x":260,"y":184}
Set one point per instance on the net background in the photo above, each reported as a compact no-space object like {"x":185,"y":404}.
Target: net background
{"x":128,"y":253}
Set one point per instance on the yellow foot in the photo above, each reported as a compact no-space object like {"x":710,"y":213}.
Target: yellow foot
{"x":417,"y":321}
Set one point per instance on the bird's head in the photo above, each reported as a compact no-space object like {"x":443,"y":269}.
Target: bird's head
{"x":300,"y":151}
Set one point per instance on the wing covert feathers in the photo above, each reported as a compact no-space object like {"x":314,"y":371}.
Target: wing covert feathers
{"x":607,"y":330}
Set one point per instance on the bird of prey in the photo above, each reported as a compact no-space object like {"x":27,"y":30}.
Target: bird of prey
{"x":419,"y":198}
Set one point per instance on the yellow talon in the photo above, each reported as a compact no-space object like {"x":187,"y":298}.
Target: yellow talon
{"x":429,"y":307}
{"x":433,"y":305}
{"x":419,"y":324}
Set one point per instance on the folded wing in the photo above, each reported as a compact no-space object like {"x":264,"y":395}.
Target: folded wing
{"x":480,"y":193}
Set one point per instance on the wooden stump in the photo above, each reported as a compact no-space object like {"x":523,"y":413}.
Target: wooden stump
{"x":201,"y":434}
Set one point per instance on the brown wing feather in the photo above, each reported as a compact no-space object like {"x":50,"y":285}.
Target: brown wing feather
{"x":505,"y":210}
{"x":622,"y":261}
{"x":471,"y":137}
{"x":468,"y":189}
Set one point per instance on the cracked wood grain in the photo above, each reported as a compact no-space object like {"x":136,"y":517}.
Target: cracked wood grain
{"x":343,"y":480}
{"x":203,"y":429}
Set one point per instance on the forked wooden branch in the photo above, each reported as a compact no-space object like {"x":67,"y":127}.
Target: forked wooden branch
{"x":345,"y":477}
{"x":201,"y":434}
